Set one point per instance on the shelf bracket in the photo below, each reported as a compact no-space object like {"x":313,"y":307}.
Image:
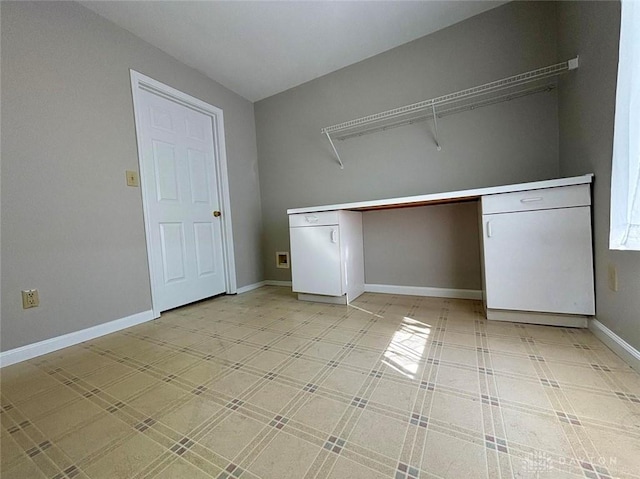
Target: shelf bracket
{"x":435,"y":125}
{"x":334,"y":150}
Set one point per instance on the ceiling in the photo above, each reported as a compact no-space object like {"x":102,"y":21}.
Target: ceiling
{"x":260,"y":48}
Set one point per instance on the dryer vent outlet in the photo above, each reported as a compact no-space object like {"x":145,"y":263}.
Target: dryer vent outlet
{"x":282,"y":259}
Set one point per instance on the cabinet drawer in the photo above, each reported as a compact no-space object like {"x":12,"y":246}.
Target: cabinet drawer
{"x":314,"y":219}
{"x":548,"y":198}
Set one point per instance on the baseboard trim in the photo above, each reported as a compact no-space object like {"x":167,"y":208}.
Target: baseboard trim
{"x":251,"y":287}
{"x":424,"y":291}
{"x":627,"y":353}
{"x":260,"y":284}
{"x":270,"y":282}
{"x":34,"y":350}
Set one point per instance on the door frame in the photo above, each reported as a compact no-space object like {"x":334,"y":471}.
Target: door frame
{"x":143,"y":82}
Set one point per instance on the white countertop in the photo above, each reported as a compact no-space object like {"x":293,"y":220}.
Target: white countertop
{"x":447,"y":196}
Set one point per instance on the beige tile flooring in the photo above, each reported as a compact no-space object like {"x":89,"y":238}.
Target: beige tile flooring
{"x":261,"y":385}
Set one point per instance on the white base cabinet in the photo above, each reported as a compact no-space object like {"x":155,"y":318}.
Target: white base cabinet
{"x":536,"y":248}
{"x":327,"y":256}
{"x":538,"y":255}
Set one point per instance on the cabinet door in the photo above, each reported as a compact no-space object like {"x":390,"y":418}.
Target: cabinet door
{"x":315,"y":260}
{"x":539,"y":261}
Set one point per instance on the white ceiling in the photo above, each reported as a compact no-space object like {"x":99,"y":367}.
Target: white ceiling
{"x":260,"y":48}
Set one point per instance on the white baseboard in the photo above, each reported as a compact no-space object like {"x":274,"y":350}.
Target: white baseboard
{"x":390,"y":289}
{"x":271,"y":282}
{"x":628,"y":353}
{"x":260,"y":284}
{"x":31,"y":351}
{"x":251,"y":287}
{"x":424,"y":291}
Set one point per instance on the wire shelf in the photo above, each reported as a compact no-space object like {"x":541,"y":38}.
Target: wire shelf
{"x":476,"y":97}
{"x":487,"y":88}
{"x":422,"y":116}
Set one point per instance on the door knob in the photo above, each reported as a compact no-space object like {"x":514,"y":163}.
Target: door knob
{"x":216,"y":213}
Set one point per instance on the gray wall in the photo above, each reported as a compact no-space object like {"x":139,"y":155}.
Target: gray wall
{"x":586,"y":107}
{"x":71,"y":227}
{"x":389,"y":234}
{"x":511,"y":142}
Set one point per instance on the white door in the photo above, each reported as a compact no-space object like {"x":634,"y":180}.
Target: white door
{"x":539,"y":261}
{"x":178,"y":167}
{"x":315,"y":260}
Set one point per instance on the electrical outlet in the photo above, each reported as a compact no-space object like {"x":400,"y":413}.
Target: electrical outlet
{"x":132,"y":178}
{"x":613,"y":277}
{"x":30,"y":298}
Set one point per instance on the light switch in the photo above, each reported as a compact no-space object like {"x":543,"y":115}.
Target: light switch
{"x":132,"y":178}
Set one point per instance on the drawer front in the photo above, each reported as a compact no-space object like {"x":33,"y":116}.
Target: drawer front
{"x":544,"y":199}
{"x":323,"y":218}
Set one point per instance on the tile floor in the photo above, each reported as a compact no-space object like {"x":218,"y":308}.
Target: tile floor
{"x":261,"y":385}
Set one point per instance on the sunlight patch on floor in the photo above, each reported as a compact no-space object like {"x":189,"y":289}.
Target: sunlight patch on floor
{"x":407,"y":347}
